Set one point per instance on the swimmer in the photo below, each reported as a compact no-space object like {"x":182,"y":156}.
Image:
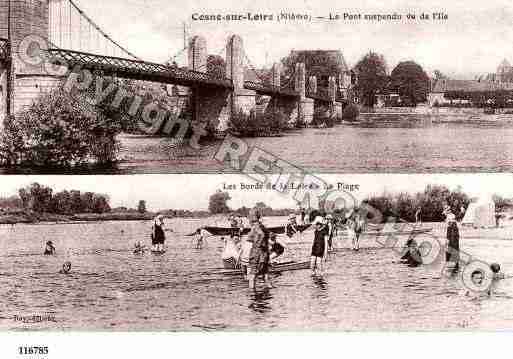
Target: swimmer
{"x":139,"y":248}
{"x":276,"y":248}
{"x":66,"y":268}
{"x":49,"y":249}
{"x":496,"y":270}
{"x":412,"y":257}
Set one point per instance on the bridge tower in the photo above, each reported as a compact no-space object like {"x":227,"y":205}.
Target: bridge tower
{"x":197,"y":54}
{"x":21,"y":81}
{"x":210,"y":105}
{"x":241,"y":99}
{"x":305,"y":109}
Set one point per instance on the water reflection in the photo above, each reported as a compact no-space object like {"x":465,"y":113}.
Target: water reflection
{"x":320,"y":282}
{"x":260,"y":300}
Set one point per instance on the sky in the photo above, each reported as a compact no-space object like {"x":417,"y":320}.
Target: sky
{"x":185,"y":191}
{"x":474,"y":40}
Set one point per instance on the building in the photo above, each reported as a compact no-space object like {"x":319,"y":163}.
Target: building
{"x":502,"y":79}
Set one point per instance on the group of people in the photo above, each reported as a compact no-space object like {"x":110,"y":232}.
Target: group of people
{"x":253,"y":254}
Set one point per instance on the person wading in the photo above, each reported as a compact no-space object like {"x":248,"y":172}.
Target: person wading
{"x":319,"y":247}
{"x":452,"y":253}
{"x":259,"y":255}
{"x":158,"y":234}
{"x":291,"y":226}
{"x":331,"y":229}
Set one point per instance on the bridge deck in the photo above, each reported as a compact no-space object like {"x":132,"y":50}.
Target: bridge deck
{"x":149,"y":71}
{"x":136,"y":70}
{"x":269,"y":90}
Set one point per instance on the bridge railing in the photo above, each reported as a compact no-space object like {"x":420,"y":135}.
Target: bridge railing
{"x":135,"y":69}
{"x":4,"y":48}
{"x":270,"y":90}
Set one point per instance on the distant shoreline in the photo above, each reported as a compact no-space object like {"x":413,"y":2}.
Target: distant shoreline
{"x":42,"y":218}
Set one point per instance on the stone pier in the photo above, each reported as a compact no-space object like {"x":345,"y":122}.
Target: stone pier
{"x":210,"y":105}
{"x":28,"y":81}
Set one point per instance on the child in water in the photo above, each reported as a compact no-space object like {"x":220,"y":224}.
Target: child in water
{"x":66,"y":268}
{"x":412,"y":257}
{"x":496,"y":270}
{"x":276,"y":248}
{"x":49,"y":249}
{"x":139,"y":248}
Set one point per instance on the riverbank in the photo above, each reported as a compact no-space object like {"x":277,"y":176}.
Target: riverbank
{"x":35,"y":218}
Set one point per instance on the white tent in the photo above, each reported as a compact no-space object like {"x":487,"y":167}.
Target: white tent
{"x":480,"y":214}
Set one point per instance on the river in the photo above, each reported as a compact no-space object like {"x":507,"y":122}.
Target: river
{"x":110,"y":288}
{"x":391,"y":144}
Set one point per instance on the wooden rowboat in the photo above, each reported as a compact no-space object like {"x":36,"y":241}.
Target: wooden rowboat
{"x":276,"y":268}
{"x":398,"y":233}
{"x":228,"y":231}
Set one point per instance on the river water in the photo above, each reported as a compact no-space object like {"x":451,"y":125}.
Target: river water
{"x":110,"y":288}
{"x":395,"y":143}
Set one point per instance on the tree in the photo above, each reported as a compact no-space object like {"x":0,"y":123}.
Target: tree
{"x":101,"y":204}
{"x":218,"y":202}
{"x":372,"y":77}
{"x":87,"y":201}
{"x":410,"y":81}
{"x":77,"y":205}
{"x":216,"y":66}
{"x":61,"y":203}
{"x":141,"y":207}
{"x":321,"y":64}
{"x":36,"y":197}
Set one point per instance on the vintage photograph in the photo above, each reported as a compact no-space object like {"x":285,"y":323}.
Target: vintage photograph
{"x":391,"y":87}
{"x":225,"y":253}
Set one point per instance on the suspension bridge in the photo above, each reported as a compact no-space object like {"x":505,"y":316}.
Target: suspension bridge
{"x":73,"y":38}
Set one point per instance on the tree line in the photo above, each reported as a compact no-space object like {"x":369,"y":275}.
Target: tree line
{"x":218,"y":204}
{"x":401,"y":206}
{"x":39,"y":198}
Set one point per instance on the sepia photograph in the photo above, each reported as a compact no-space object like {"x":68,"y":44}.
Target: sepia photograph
{"x":215,"y":253}
{"x":395,"y":87}
{"x":304,"y":175}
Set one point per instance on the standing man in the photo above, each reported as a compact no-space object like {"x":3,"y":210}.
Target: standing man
{"x":259,"y":255}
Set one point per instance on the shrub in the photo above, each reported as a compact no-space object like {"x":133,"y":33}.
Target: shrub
{"x":350,"y":112}
{"x":257,"y":125}
{"x":322,"y":118}
{"x":59,"y":131}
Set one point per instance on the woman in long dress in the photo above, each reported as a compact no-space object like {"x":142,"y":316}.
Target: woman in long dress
{"x":452,"y":253}
{"x":158,"y":235}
